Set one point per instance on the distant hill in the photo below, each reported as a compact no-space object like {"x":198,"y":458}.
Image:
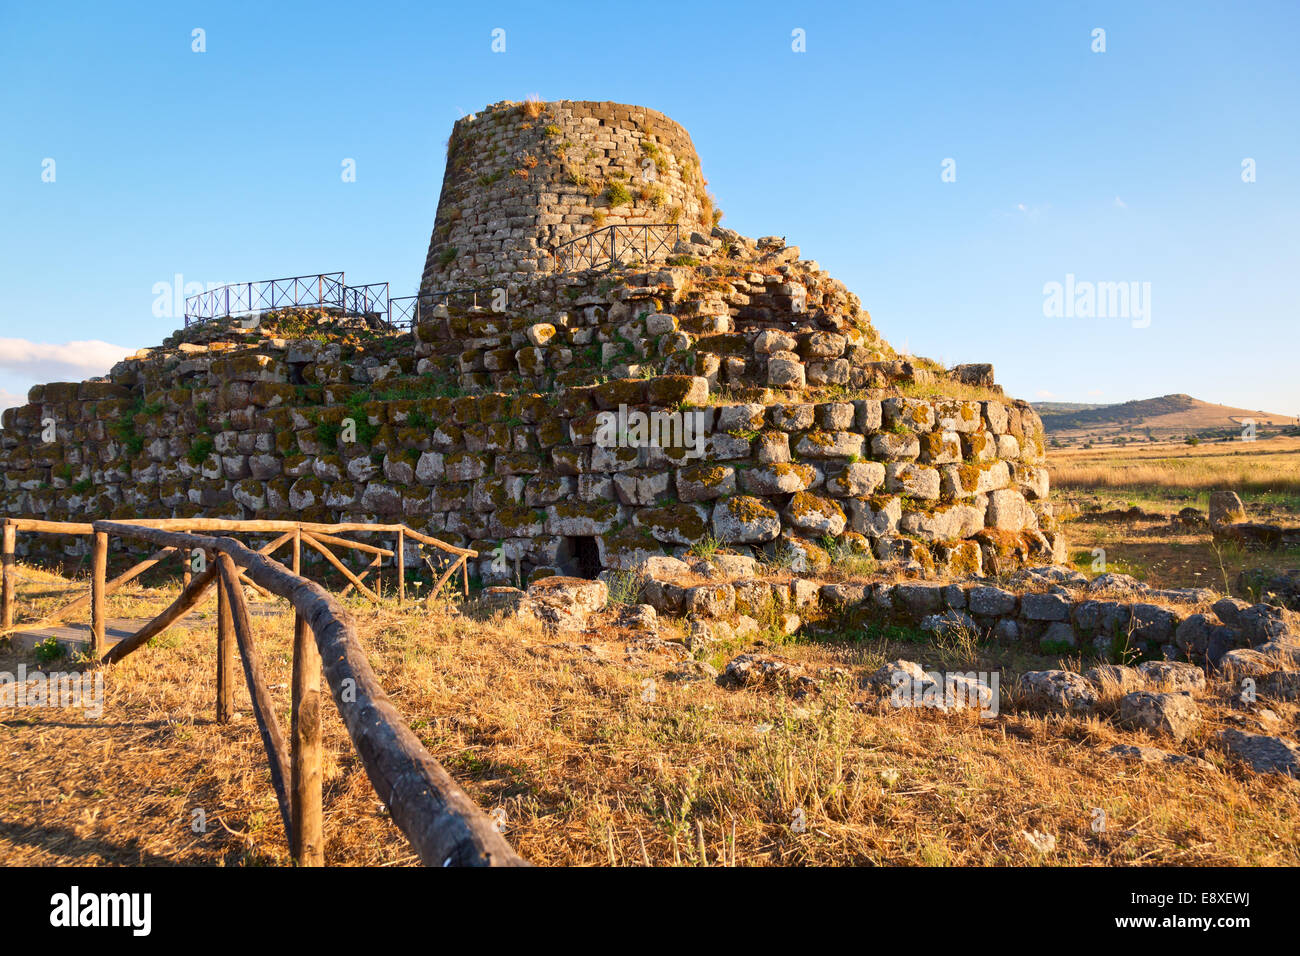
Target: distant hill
{"x":1162,"y":417}
{"x":1062,"y":408}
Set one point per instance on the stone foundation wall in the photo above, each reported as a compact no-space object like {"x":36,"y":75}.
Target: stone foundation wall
{"x":1048,"y":609}
{"x":236,"y":431}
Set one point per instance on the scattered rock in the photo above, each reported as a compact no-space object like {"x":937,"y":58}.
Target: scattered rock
{"x":1261,"y":623}
{"x":699,"y":637}
{"x":1245,"y":662}
{"x":1262,"y":753}
{"x":502,"y":599}
{"x":662,"y":568}
{"x":1225,"y":509}
{"x":894,"y":673}
{"x":692,"y":671}
{"x":1059,"y":691}
{"x":1281,"y":685}
{"x":1172,"y":675}
{"x":564,"y":604}
{"x":1155,"y":755}
{"x":1228,"y":610}
{"x":1277,"y":587}
{"x":638,"y":617}
{"x":1110,"y":581}
{"x":1202,"y":638}
{"x":1170,"y":714}
{"x":1053,"y":574}
{"x":753,"y":670}
{"x":1113,"y":679}
{"x":1006,"y":630}
{"x":734,"y":565}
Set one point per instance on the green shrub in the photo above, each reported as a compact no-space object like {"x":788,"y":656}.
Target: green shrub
{"x":625,"y":588}
{"x":327,"y":433}
{"x":49,"y":650}
{"x":617,"y":195}
{"x":200,"y":448}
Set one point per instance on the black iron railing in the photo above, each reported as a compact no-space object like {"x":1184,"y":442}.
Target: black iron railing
{"x":408,"y":311}
{"x":607,"y":247}
{"x":615,"y":245}
{"x":326,"y":290}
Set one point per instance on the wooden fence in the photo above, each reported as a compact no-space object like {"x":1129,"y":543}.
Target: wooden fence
{"x":443,"y":824}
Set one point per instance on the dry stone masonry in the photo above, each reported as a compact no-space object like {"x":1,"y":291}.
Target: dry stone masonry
{"x":787,"y":428}
{"x":523,"y":177}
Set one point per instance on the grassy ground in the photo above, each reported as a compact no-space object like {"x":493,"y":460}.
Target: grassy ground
{"x":1161,"y":480}
{"x":1265,"y":473}
{"x":593,"y":765}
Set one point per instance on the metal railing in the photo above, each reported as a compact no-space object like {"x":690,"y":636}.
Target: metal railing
{"x":369,"y":299}
{"x":408,"y":311}
{"x":614,"y":245}
{"x":323,"y":290}
{"x":606,"y":247}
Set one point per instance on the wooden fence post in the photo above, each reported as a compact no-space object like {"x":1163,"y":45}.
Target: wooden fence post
{"x":263,"y":706}
{"x":401,"y":567}
{"x":225,"y":657}
{"x":308,"y":839}
{"x":7,"y":567}
{"x":98,"y":579}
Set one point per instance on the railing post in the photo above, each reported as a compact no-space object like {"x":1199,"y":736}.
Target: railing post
{"x":401,"y":567}
{"x":225,"y":656}
{"x":305,"y":734}
{"x":7,"y":568}
{"x":98,"y":575}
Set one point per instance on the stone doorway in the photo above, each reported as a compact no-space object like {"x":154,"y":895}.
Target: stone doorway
{"x":586,"y":557}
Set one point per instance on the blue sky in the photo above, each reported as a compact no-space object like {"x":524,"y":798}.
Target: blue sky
{"x":1122,"y":166}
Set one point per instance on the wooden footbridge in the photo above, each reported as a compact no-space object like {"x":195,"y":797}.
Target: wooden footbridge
{"x":444,"y":826}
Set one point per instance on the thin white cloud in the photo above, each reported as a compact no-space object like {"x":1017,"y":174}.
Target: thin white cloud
{"x":53,"y":362}
{"x":1120,"y":203}
{"x":1026,"y":210}
{"x":1044,"y":393}
{"x":9,"y":399}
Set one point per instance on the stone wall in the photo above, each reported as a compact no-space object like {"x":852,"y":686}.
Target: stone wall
{"x":486,"y":425}
{"x":245,"y":430}
{"x":522,"y":178}
{"x":1048,"y":609}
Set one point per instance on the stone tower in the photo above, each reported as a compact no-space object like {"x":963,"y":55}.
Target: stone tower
{"x":523,"y":177}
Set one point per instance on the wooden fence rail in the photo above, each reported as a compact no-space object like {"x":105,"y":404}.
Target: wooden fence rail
{"x":445,"y":826}
{"x":322,"y":537}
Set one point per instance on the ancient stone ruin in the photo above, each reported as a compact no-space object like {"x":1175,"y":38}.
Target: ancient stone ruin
{"x":565,"y":416}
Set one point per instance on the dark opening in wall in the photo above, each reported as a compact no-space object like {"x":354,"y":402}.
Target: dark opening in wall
{"x":586,"y":557}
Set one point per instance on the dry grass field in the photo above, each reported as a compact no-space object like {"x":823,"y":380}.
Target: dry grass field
{"x":1163,"y":478}
{"x":591,"y":768}
{"x":1265,"y":472}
